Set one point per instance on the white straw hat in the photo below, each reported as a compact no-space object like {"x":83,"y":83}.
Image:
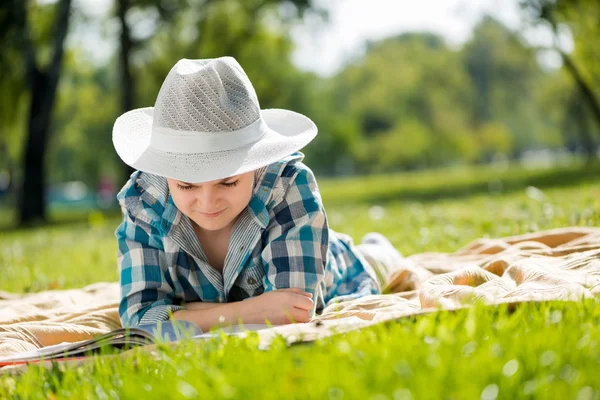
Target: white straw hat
{"x":207,"y":124}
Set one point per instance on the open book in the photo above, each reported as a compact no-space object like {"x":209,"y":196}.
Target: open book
{"x":125,"y":339}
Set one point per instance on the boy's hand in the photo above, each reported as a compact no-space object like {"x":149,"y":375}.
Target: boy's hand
{"x":281,"y":306}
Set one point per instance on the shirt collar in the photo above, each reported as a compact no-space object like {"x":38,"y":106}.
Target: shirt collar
{"x":265,"y":187}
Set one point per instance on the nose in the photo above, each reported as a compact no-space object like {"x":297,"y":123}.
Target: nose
{"x":208,"y":199}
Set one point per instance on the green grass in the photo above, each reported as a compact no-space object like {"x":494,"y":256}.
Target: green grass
{"x":546,"y":350}
{"x":455,"y":182}
{"x":59,"y":256}
{"x":542,"y":351}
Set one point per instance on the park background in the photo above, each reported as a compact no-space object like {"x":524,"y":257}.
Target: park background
{"x":393,"y":86}
{"x":440,"y":122}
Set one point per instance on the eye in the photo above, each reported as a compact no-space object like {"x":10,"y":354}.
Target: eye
{"x":183,"y":187}
{"x":230,"y":184}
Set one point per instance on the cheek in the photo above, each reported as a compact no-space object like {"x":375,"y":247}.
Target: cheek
{"x":183,"y":201}
{"x":242,"y":198}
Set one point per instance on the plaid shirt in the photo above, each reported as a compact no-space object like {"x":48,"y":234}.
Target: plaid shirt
{"x":281,"y":240}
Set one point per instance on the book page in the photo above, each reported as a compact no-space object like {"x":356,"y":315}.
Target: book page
{"x":41,"y":352}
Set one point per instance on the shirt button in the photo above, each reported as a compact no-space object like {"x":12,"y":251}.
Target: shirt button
{"x":251,"y":281}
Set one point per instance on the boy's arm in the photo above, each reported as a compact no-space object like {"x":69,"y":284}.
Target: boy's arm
{"x":297,"y":239}
{"x":146,"y":294}
{"x":278,"y":307}
{"x":208,"y":315}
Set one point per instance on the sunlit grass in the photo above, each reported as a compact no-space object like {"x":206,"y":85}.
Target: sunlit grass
{"x":61,"y":256}
{"x":538,"y":351}
{"x":455,"y":182}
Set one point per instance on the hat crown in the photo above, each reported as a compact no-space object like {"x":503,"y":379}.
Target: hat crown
{"x":213,"y":95}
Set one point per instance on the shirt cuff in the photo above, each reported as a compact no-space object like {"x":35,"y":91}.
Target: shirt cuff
{"x":159,"y":313}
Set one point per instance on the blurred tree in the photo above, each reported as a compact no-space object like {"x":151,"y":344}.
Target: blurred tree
{"x":413,"y":102}
{"x":409,"y":102}
{"x":158,"y":13}
{"x":553,"y":93}
{"x":11,"y":95}
{"x":41,"y":81}
{"x":504,"y":73}
{"x":127,"y":84}
{"x":578,"y":120}
{"x":410,"y":98}
{"x":581,"y":17}
{"x":86,"y":107}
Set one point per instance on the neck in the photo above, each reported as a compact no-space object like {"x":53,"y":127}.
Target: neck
{"x":224,"y":232}
{"x":204,"y":233}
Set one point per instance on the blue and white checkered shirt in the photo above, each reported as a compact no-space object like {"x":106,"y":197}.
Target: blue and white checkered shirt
{"x":281,"y":240}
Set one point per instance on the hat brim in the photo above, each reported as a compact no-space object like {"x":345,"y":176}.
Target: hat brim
{"x":287,"y":133}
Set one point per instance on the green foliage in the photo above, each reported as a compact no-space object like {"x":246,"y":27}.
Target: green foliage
{"x":419,"y":103}
{"x":582,"y":18}
{"x":81,"y":148}
{"x":244,"y":30}
{"x":410,"y":102}
{"x":411,"y":99}
{"x":505,"y":75}
{"x":579,"y":18}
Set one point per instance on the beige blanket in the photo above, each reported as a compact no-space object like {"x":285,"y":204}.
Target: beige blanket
{"x":561,"y":264}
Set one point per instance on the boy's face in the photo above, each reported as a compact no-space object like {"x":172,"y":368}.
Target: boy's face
{"x":213,"y":205}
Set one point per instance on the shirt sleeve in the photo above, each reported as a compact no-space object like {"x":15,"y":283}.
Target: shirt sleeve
{"x":296,"y":245}
{"x":146,"y":292}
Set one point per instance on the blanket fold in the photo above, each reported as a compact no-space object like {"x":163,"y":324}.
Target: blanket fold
{"x":559,"y":264}
{"x":42,"y":319}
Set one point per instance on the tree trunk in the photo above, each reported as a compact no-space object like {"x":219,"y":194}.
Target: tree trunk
{"x":43,"y":84}
{"x":8,"y":166}
{"x":32,"y":198}
{"x":127,"y":83}
{"x":586,"y":91}
{"x":577,"y":121}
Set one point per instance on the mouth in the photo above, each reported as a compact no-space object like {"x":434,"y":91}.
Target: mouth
{"x":211,"y":215}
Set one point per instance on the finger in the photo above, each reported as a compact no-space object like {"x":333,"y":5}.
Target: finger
{"x":295,"y":315}
{"x":303,"y":302}
{"x":300,"y":315}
